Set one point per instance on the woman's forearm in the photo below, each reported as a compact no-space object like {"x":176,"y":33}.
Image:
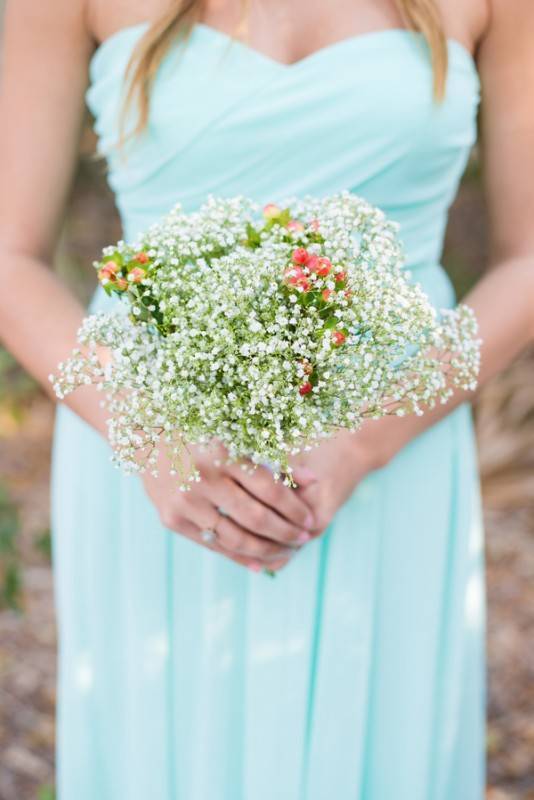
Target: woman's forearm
{"x":39,"y":319}
{"x":503,"y":302}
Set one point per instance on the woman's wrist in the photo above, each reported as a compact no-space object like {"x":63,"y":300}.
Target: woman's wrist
{"x":379,"y":440}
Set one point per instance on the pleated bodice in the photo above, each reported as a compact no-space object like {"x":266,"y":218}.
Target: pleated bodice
{"x":357,"y":114}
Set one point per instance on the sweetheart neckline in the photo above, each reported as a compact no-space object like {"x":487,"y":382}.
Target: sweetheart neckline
{"x":359,"y":38}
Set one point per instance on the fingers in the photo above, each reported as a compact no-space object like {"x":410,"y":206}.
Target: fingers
{"x":252,"y":515}
{"x":303,"y":476}
{"x":191,"y":531}
{"x":256,"y":548}
{"x":199,"y":513}
{"x":284,"y":500}
{"x":325,"y":510}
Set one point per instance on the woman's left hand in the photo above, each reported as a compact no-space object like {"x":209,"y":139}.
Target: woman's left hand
{"x":338,"y":465}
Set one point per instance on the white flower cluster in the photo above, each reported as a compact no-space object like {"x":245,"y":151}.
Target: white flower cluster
{"x":265,"y":332}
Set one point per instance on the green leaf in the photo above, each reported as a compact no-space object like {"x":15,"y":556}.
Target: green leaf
{"x":270,"y":572}
{"x":284,"y":216}
{"x":331,"y":322}
{"x":116,"y":257}
{"x":253,"y":236}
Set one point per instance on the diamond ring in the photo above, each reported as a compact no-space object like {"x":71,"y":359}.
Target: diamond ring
{"x":208,"y":536}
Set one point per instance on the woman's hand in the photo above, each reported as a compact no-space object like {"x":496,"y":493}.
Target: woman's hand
{"x":262,"y":524}
{"x":339,"y":464}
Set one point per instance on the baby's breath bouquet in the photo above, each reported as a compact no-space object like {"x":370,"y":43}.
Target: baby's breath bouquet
{"x":264,"y":329}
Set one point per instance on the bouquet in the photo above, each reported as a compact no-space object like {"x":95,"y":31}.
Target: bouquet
{"x":264,"y":329}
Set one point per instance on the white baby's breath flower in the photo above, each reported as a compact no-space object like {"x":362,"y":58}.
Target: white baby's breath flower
{"x":220,"y":344}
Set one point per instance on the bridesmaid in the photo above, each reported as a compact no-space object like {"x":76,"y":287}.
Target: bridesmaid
{"x":357,"y":672}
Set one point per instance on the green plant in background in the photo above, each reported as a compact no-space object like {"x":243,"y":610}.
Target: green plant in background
{"x":46,"y":793}
{"x":43,"y":544}
{"x":16,"y":386}
{"x":10,"y":574}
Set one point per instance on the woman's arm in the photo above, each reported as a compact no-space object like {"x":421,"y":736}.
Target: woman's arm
{"x":503,"y":300}
{"x":45,"y":53}
{"x":46,"y":50}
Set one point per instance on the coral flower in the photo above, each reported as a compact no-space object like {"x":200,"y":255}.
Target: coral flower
{"x":142,"y":258}
{"x":121,"y":284}
{"x":313,"y":262}
{"x":271,"y":210}
{"x":338,"y":338}
{"x":136,"y":275}
{"x":340,"y":276}
{"x":295,"y":225}
{"x":305,"y":388}
{"x":325,"y":294}
{"x":324,"y":267}
{"x":294,"y":275}
{"x":108,"y":271}
{"x":300,"y":255}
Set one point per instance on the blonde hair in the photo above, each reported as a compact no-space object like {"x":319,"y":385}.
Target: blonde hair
{"x":422,"y":16}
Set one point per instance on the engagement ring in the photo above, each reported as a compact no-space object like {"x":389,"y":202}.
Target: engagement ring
{"x":208,"y":536}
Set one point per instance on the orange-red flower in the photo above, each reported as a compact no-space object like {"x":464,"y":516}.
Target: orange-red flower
{"x":300,"y":255}
{"x":305,"y":388}
{"x":108,"y":271}
{"x":136,"y":275}
{"x":324,"y":267}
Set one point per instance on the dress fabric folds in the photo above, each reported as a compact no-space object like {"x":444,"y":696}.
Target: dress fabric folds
{"x":358,"y":673}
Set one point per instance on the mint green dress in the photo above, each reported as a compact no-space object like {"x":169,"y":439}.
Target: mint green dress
{"x":358,"y":673}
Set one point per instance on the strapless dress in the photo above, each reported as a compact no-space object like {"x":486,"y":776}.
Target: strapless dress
{"x":358,"y":673}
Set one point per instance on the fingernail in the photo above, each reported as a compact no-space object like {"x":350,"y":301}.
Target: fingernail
{"x":309,"y":521}
{"x":287,"y":553}
{"x":303,"y":536}
{"x":254,"y":566}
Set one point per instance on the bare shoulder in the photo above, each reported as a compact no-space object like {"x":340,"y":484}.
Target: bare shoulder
{"x":60,"y":21}
{"x":106,"y":17}
{"x":466,"y":21}
{"x":506,"y":55}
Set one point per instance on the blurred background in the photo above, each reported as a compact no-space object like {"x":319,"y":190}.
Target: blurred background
{"x":505,"y":424}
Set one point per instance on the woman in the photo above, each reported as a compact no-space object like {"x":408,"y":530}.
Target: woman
{"x":358,"y":671}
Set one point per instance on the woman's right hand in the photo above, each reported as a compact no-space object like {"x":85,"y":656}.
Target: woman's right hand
{"x":263,"y":522}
